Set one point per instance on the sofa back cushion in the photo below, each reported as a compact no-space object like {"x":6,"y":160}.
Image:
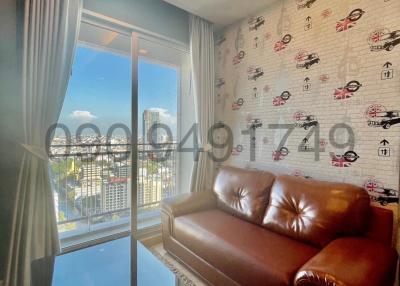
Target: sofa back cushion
{"x":316,"y":212}
{"x":243,"y":193}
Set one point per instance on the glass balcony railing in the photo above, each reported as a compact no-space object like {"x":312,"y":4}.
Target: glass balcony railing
{"x":92,"y":185}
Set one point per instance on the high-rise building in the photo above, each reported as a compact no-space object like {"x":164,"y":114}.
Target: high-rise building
{"x":149,"y":192}
{"x":150,"y":117}
{"x":91,"y":170}
{"x":116,"y":194}
{"x":123,"y":170}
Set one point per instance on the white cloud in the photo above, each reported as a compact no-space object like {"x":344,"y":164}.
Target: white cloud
{"x":82,"y":115}
{"x":165,"y":116}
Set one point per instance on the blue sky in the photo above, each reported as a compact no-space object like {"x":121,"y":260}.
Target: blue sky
{"x":99,"y":90}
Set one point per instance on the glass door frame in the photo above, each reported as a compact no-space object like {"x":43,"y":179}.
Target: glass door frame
{"x":136,"y":34}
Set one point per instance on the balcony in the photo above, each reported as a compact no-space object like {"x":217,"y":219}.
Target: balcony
{"x":92,"y":183}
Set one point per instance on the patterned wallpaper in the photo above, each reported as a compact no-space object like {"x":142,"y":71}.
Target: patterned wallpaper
{"x":316,"y":73}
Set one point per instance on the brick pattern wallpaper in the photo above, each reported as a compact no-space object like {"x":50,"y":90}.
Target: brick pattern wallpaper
{"x":332,"y":65}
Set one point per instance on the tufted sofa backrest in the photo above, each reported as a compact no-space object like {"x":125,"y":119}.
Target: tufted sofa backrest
{"x":243,"y":193}
{"x":316,"y":212}
{"x":311,"y":211}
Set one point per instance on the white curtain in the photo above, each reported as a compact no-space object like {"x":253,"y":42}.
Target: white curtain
{"x":202,"y":61}
{"x":50,"y":29}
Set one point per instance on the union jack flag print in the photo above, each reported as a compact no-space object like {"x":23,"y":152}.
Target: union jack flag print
{"x":282,"y":44}
{"x":279,"y":46}
{"x":326,"y":13}
{"x":373,"y":110}
{"x":235,"y":106}
{"x":377,"y":35}
{"x":344,"y":25}
{"x":277,"y":156}
{"x":342,"y":93}
{"x":278,"y":101}
{"x":372,"y":184}
{"x":339,"y":161}
{"x":350,"y":21}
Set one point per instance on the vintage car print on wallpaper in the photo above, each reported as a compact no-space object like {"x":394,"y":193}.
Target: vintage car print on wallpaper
{"x":384,"y":39}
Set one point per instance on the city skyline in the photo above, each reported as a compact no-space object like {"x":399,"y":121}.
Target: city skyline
{"x":149,"y":118}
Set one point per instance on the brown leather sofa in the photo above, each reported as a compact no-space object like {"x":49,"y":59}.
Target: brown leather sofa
{"x":258,"y":229}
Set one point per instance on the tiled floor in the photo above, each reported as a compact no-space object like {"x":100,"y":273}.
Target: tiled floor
{"x":106,"y":264}
{"x":182,"y":269}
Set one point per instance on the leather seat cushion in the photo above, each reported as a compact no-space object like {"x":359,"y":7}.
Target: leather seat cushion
{"x":245,"y":252}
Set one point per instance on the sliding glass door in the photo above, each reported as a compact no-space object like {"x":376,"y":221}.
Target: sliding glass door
{"x":114,"y":155}
{"x":161,"y":68}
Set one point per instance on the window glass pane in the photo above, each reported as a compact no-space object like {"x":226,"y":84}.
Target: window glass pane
{"x":159,"y":88}
{"x":92,"y":182}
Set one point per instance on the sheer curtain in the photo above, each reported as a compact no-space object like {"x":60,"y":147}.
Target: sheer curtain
{"x":202,"y":60}
{"x":50,"y":30}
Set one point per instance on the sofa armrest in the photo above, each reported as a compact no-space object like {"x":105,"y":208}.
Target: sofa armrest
{"x":350,"y":262}
{"x":188,"y":203}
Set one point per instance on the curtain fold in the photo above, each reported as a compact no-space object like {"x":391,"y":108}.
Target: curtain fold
{"x":50,"y":30}
{"x":202,"y":64}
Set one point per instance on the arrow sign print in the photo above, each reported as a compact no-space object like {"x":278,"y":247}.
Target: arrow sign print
{"x":387,"y":65}
{"x":384,"y":142}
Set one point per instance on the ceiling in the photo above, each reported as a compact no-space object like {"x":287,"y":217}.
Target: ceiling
{"x":222,"y":12}
{"x":105,"y":40}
